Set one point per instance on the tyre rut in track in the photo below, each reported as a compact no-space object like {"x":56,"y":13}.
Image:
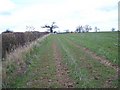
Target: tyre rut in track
{"x":61,"y":70}
{"x":102,"y":60}
{"x":94,"y":55}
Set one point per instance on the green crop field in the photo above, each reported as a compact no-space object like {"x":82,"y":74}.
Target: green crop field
{"x":79,"y":60}
{"x":104,"y":44}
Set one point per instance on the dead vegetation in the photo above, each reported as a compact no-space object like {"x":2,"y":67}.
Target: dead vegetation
{"x":15,"y":64}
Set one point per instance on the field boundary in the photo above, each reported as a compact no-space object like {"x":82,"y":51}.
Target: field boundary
{"x":16,"y":60}
{"x":27,"y":46}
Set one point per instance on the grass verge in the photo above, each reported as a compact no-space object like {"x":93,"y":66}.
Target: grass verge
{"x":32,"y":67}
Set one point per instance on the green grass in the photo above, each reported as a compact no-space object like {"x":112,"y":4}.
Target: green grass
{"x":40,"y":69}
{"x":85,"y":70}
{"x":104,"y":44}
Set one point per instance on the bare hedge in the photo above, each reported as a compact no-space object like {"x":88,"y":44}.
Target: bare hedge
{"x":12,"y":40}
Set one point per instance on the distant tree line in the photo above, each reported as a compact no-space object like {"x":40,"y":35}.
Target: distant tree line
{"x":86,"y":28}
{"x":83,"y":29}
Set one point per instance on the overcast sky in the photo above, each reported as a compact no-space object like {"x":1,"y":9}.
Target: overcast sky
{"x":68,"y":14}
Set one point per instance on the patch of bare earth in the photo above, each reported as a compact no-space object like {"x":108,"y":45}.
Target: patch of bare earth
{"x":102,"y":60}
{"x":61,"y":70}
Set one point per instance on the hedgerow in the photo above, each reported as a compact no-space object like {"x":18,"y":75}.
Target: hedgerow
{"x":12,"y":40}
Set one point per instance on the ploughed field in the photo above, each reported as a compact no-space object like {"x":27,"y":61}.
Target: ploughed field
{"x":74,"y":60}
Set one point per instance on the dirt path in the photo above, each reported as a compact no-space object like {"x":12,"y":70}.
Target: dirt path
{"x":62,"y":71}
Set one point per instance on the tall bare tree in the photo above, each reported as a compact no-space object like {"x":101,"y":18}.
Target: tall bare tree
{"x":51,"y":27}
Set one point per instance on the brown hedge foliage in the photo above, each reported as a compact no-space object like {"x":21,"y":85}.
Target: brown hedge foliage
{"x":11,"y":41}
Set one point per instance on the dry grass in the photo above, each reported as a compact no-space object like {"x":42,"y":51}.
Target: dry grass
{"x":14,"y":63}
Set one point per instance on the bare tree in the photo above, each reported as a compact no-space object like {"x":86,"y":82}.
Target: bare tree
{"x":113,"y":29}
{"x":30,"y":28}
{"x":79,"y":29}
{"x":96,"y":29}
{"x":50,"y":27}
{"x":90,"y":28}
{"x":87,"y":28}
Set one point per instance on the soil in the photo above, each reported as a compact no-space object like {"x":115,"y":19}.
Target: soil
{"x":61,"y":70}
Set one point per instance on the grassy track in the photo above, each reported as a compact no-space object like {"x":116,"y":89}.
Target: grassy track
{"x":42,"y":70}
{"x":61,"y":61}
